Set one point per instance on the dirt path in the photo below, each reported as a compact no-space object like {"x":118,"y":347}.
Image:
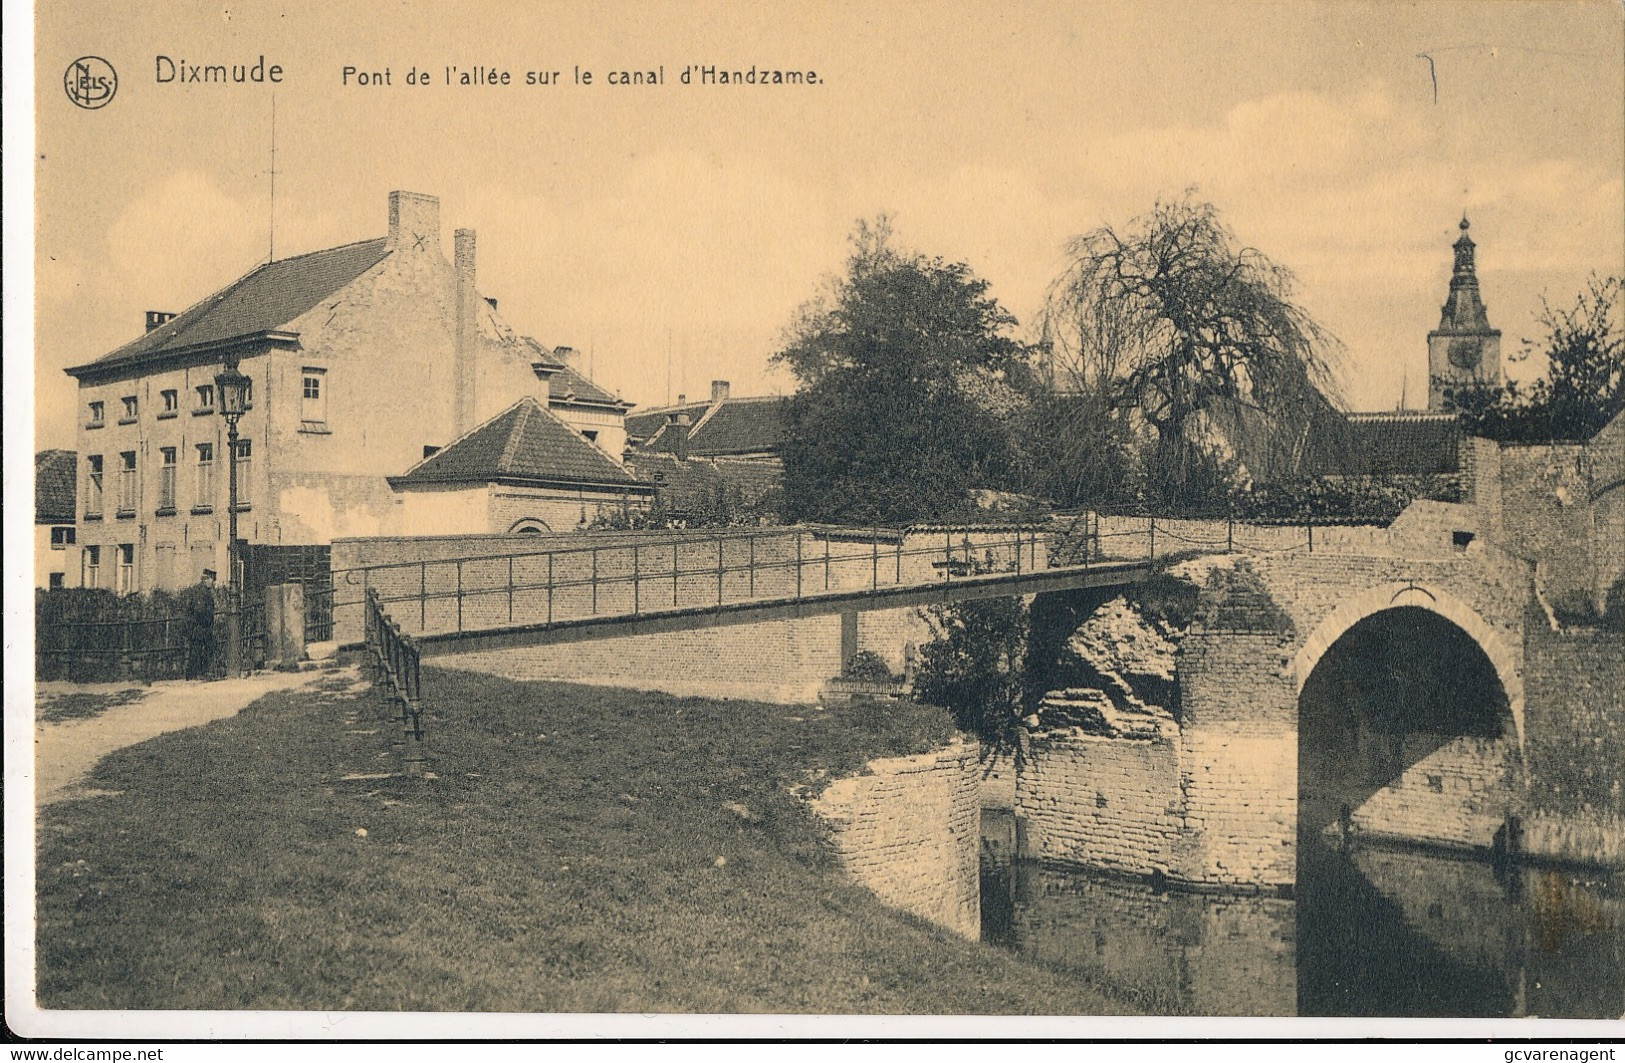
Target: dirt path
{"x":65,"y":752}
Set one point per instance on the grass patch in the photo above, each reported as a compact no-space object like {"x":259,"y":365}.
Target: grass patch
{"x":81,"y":705}
{"x":566,"y":858}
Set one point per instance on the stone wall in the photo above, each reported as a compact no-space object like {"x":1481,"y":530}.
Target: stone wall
{"x":1575,"y":693}
{"x":781,"y":661}
{"x":909,"y":830}
{"x":1239,"y":709}
{"x":1455,"y":796}
{"x":1547,"y":516}
{"x":1094,"y":801}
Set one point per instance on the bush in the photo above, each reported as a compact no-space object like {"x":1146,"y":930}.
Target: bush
{"x":976,"y":667}
{"x":90,"y":635}
{"x":869,"y":667}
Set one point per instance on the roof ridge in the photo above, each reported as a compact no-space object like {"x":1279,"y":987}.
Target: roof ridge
{"x":516,"y":433}
{"x":321,"y":251}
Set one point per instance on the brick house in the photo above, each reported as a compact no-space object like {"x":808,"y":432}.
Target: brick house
{"x":54,"y":531}
{"x":362,"y":359}
{"x":523,"y":471}
{"x":707,"y":456}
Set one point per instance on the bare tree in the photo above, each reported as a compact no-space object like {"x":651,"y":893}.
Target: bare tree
{"x":1171,"y":319}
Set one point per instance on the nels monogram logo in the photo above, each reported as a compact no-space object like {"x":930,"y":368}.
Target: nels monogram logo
{"x":90,"y":82}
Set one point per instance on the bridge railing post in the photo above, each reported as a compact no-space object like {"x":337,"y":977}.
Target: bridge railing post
{"x":1309,"y":522}
{"x":1230,"y":534}
{"x":510,"y":588}
{"x":826,"y":561}
{"x":798,"y":564}
{"x":1152,"y":556}
{"x":459,"y":595}
{"x":423,"y":595}
{"x":595,"y":581}
{"x":874,"y":568}
{"x":719,"y":572}
{"x":948,"y":555}
{"x":750,"y":563}
{"x":635,"y":580}
{"x":674,"y":573}
{"x":900,"y":537}
{"x":550,"y":590}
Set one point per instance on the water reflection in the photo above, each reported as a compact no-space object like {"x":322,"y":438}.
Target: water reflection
{"x":1372,"y":932}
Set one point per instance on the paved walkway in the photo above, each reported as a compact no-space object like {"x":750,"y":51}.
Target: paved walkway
{"x":64,"y":753}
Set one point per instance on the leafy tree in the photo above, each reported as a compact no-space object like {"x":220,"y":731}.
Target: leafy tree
{"x":976,"y":667}
{"x":1171,"y":322}
{"x":909,"y":379}
{"x":1584,"y":384}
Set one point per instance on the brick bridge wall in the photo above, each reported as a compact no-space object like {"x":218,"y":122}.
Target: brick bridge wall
{"x":1217,"y":802}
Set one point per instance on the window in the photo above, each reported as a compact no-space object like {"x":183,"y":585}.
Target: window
{"x":172,"y":402}
{"x":166,"y":481}
{"x":205,"y":398}
{"x":205,"y":478}
{"x":98,"y":415}
{"x":93,"y":486}
{"x":591,"y":435}
{"x":126,"y":568}
{"x":245,"y":465}
{"x":62,"y":537}
{"x":313,"y":401}
{"x":93,"y":566}
{"x":131,"y":408}
{"x":126,"y":484}
{"x":56,"y":581}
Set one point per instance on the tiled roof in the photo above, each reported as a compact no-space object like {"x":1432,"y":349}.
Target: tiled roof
{"x":733,"y":426}
{"x":645,"y":424}
{"x":1386,"y":444}
{"x":685,"y":481}
{"x":567,"y":382}
{"x":524,"y":443}
{"x":265,"y":299}
{"x":741,"y":426}
{"x":55,"y":486}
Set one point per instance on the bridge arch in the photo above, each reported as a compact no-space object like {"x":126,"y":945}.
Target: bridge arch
{"x":1387,"y":596}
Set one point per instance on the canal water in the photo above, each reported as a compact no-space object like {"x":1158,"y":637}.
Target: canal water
{"x":1369,"y":932}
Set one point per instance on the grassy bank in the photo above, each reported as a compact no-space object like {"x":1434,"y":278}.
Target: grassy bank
{"x":579,"y":849}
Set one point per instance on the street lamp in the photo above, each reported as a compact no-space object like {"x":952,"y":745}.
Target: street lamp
{"x":231,"y":387}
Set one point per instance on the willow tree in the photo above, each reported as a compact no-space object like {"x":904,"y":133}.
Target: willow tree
{"x":1175,"y":326}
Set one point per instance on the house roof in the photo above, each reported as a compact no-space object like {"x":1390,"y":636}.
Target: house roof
{"x":55,"y":490}
{"x":731,"y":426}
{"x":524,"y":443}
{"x":684,"y":479}
{"x":263,"y":300}
{"x":644,"y":425}
{"x":569,"y":384}
{"x":1407,"y":442}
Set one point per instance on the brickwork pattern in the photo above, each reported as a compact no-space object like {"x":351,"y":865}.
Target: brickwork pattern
{"x":780,"y":661}
{"x":1112,"y":803}
{"x":1456,"y":796}
{"x":910,"y":830}
{"x":1576,"y":706}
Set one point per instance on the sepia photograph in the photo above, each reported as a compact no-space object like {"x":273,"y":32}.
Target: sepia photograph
{"x":825,"y":519}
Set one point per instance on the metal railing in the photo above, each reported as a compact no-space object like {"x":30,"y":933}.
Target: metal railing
{"x":686,"y":574}
{"x":396,"y":666}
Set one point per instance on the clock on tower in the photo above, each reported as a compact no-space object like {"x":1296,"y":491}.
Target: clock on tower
{"x":1463,"y":351}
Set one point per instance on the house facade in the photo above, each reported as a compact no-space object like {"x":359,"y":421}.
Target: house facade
{"x":54,"y":512}
{"x":362,"y":359}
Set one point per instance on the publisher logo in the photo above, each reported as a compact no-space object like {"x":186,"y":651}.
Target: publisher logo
{"x":90,"y":82}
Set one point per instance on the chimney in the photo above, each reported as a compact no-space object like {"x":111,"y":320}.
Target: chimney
{"x":158,"y":317}
{"x":544,"y":382}
{"x":678,"y":428}
{"x":567,"y":355}
{"x":467,"y":332}
{"x":719,"y":390}
{"x":414,"y":222}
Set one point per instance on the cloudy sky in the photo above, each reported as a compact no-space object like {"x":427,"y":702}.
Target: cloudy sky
{"x":682,"y":226}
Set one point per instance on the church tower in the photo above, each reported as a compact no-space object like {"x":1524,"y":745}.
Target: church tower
{"x":1463,"y":350}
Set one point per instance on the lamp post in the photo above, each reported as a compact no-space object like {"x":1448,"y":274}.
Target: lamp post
{"x":231,"y":389}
